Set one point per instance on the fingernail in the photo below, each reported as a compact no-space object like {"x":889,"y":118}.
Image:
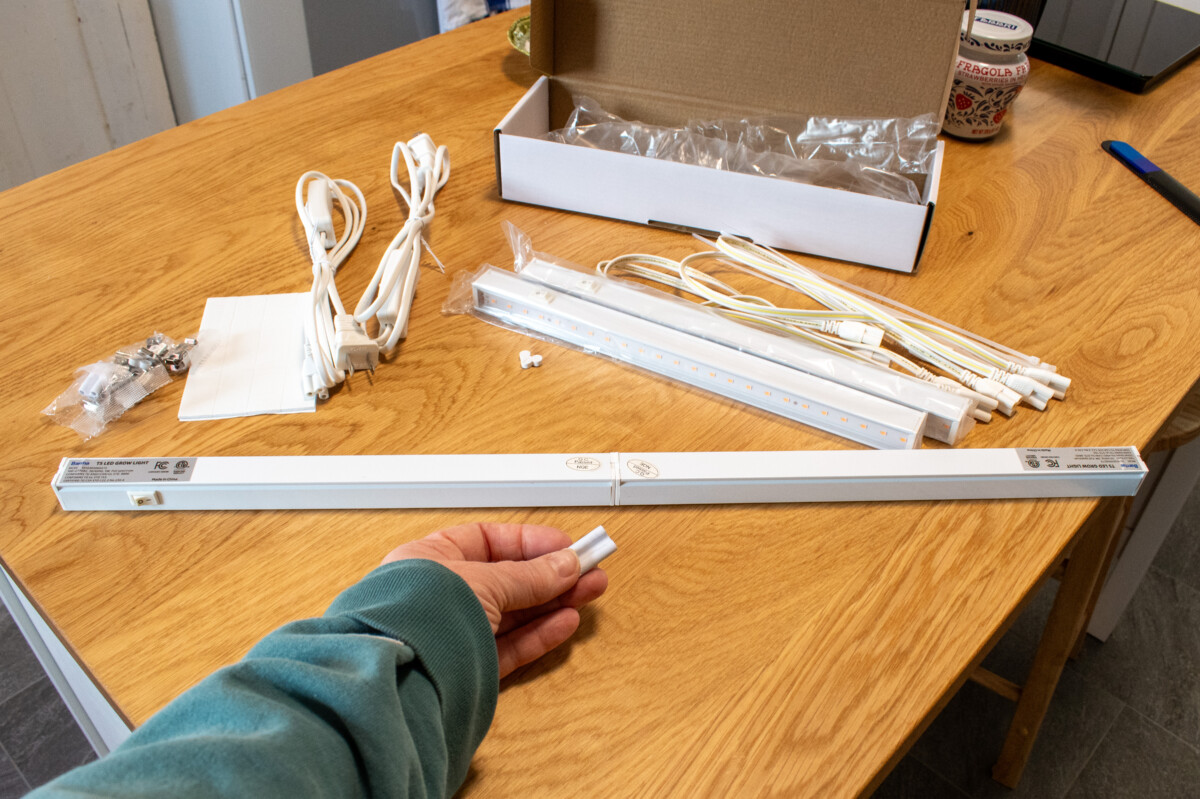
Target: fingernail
{"x":566,"y":563}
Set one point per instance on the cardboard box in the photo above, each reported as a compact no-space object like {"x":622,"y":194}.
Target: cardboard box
{"x":664,"y":63}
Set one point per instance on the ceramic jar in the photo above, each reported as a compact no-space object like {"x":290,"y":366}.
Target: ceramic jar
{"x":988,"y":75}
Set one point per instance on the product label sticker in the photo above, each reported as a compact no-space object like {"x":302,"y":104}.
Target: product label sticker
{"x":582,"y":463}
{"x":1078,"y":458}
{"x":642,"y":468}
{"x":128,"y":470}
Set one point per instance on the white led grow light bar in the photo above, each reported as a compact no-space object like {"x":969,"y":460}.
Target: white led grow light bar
{"x":837,"y":409}
{"x":949,"y":414}
{"x":591,"y":479}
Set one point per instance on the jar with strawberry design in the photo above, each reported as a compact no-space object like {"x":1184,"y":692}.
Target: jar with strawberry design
{"x":988,"y":75}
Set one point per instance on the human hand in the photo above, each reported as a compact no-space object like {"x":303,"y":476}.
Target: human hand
{"x":527,"y":582}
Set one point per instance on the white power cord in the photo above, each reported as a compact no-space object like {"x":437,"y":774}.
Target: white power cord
{"x":336,"y":342}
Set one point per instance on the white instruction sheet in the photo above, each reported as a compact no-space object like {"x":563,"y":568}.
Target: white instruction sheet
{"x":251,"y":359}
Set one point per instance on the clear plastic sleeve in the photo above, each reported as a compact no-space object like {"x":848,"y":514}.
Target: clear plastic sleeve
{"x":104,"y":390}
{"x":881,"y":157}
{"x":949,"y":417}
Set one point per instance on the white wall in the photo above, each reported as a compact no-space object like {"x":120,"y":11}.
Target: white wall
{"x":218,"y":53}
{"x":77,"y":78}
{"x":340,"y":33}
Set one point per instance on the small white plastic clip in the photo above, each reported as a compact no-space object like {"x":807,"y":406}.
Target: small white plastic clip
{"x":593,"y":548}
{"x":528,"y":360}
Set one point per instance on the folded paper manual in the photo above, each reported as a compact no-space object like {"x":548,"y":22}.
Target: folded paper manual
{"x":592,"y":479}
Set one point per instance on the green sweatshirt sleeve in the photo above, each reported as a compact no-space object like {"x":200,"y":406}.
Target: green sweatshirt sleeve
{"x":388,"y":694}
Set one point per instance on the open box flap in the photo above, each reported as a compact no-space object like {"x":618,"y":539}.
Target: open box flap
{"x":664,"y":62}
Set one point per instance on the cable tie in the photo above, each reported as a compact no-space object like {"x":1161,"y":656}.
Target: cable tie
{"x":428,"y":249}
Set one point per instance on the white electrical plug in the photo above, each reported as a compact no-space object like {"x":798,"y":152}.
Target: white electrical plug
{"x":353,"y":350}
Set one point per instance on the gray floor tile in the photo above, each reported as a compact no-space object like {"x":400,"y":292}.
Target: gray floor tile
{"x":1190,"y":573}
{"x":1152,"y":659}
{"x":18,"y":667}
{"x":1013,"y":655}
{"x":12,"y":784}
{"x":1078,"y":721}
{"x":911,"y":780}
{"x":38,"y":732}
{"x":963,"y":742}
{"x":1179,"y":555}
{"x":1140,"y":759}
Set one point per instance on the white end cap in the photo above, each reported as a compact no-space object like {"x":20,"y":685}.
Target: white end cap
{"x":593,"y":548}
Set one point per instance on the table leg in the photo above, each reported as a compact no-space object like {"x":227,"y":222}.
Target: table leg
{"x":1067,"y":619}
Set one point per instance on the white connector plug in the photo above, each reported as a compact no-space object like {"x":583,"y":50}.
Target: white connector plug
{"x":353,"y":350}
{"x":1006,"y":398}
{"x":1057,"y":383}
{"x":1031,"y":391}
{"x":854,"y":332}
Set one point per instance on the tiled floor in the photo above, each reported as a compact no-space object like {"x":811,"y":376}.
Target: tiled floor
{"x":1125,"y":720}
{"x":38,"y":737}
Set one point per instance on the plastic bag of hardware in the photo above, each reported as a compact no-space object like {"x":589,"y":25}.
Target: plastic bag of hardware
{"x":104,"y":390}
{"x":880,"y":157}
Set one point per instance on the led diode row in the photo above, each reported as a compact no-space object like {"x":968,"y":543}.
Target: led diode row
{"x":950,"y":416}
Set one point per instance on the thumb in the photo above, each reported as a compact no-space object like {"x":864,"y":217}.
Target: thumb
{"x":520,"y":584}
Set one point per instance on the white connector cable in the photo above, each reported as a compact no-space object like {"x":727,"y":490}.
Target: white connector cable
{"x":336,"y":342}
{"x":996,"y":377}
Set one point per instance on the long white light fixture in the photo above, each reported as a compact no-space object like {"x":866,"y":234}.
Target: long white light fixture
{"x":950,"y":415}
{"x":507,"y":299}
{"x":591,"y":479}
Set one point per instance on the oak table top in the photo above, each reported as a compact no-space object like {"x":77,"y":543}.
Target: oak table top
{"x":788,"y":650}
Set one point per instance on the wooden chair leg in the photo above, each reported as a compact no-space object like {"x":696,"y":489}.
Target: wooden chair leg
{"x":1067,"y":619}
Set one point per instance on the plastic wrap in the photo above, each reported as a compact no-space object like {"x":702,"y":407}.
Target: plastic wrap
{"x":103,"y":391}
{"x":880,"y":157}
{"x":949,"y":416}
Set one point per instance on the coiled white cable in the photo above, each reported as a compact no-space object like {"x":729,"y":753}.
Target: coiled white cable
{"x":389,"y":296}
{"x":316,"y":193}
{"x":336,"y":342}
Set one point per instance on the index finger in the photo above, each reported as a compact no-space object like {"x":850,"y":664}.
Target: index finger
{"x":488,"y":542}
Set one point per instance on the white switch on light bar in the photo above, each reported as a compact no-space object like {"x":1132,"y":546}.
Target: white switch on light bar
{"x":814,"y":401}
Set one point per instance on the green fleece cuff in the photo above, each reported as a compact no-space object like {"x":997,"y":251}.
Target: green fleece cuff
{"x":435,"y":612}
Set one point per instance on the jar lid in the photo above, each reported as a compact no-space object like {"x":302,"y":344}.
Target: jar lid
{"x":996,"y":32}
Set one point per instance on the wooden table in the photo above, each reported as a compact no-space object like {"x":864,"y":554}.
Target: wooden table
{"x":741,"y":650}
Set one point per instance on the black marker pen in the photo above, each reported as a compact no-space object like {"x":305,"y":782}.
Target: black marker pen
{"x":1164,"y":184}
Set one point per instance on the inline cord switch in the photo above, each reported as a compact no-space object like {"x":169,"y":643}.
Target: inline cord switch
{"x":593,"y":548}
